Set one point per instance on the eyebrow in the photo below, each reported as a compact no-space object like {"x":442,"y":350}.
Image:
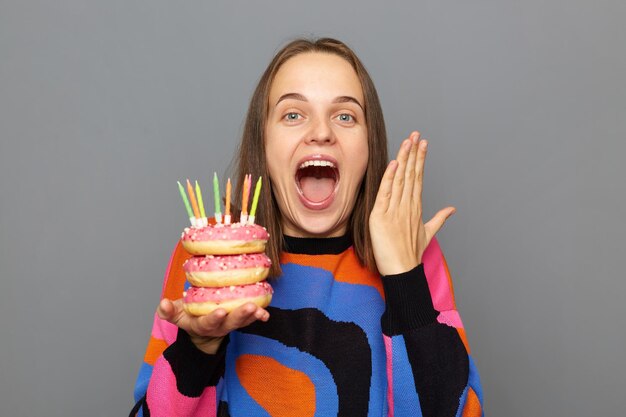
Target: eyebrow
{"x":300,"y":97}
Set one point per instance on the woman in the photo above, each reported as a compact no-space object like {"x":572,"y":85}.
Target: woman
{"x":353,"y":329}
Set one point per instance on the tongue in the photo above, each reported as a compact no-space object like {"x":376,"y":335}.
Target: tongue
{"x":317,"y":189}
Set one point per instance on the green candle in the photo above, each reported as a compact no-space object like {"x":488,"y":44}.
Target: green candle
{"x":200,"y":203}
{"x":184,"y":196}
{"x":216,"y":192}
{"x":255,"y":199}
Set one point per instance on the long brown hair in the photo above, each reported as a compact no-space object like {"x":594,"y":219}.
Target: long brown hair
{"x":252,"y":158}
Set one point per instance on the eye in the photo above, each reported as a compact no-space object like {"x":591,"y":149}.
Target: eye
{"x":346,"y":118}
{"x":292,"y":116}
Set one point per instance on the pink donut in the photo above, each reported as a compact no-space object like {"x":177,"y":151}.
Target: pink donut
{"x":202,"y":300}
{"x":225,"y":239}
{"x":226,"y":270}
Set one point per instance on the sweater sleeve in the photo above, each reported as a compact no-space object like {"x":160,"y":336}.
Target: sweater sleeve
{"x":428,"y":359}
{"x":184,"y":381}
{"x":176,"y":378}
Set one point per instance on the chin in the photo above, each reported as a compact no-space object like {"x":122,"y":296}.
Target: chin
{"x":319,"y":226}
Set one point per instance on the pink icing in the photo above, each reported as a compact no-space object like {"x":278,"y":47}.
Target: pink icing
{"x":234,"y":231}
{"x":217,"y":294}
{"x":226,"y":262}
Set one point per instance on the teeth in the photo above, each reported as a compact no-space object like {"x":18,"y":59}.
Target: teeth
{"x":317,"y":163}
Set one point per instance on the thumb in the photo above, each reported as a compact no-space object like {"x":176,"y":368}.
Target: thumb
{"x":438,"y":220}
{"x":166,"y":310}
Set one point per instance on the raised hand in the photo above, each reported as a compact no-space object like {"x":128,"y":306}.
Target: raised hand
{"x":399,"y":236}
{"x":207,"y":331}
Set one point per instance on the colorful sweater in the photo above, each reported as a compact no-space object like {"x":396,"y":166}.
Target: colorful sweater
{"x":340,"y":341}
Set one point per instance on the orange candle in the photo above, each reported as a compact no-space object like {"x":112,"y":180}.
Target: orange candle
{"x":192,"y":197}
{"x":246,"y":193}
{"x":249,"y":187}
{"x":228,"y":187}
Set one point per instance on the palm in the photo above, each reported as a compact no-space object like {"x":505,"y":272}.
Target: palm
{"x":207,"y":331}
{"x":399,"y":236}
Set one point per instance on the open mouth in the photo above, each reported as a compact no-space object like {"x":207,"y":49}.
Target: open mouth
{"x":317,"y":179}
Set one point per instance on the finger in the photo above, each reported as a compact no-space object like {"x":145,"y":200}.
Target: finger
{"x":210,"y":323}
{"x":262,"y":314}
{"x":384,"y":190}
{"x":409,"y":172}
{"x":165,"y":309}
{"x":170,"y":310}
{"x":436,"y":223}
{"x":258,"y":314}
{"x":239,"y":317}
{"x":420,"y":162}
{"x":398,"y":179}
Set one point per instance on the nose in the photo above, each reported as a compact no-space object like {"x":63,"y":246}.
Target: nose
{"x":321,"y":133}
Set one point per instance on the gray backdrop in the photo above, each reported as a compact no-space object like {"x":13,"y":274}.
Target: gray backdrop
{"x":105,"y":104}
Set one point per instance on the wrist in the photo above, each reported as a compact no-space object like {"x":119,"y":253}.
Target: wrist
{"x":193,"y":368}
{"x":208,"y":345}
{"x":396,"y":267}
{"x":392,"y":267}
{"x":408,"y":303}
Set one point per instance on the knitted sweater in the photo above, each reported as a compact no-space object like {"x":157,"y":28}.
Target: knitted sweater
{"x":340,"y":341}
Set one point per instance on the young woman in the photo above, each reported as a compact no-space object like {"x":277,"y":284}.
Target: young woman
{"x":363,"y":320}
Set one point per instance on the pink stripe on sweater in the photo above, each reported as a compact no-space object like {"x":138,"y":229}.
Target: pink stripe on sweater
{"x":164,"y":330}
{"x":450,"y":318}
{"x":437,"y":277}
{"x":165,"y":400}
{"x":388,"y":349}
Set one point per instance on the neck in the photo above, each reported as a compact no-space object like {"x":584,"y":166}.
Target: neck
{"x":317,"y":245}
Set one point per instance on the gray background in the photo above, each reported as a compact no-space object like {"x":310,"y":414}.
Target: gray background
{"x":104,"y":105}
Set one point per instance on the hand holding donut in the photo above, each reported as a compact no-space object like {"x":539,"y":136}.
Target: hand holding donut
{"x":207,"y":331}
{"x":399,"y":236}
{"x":227,"y":282}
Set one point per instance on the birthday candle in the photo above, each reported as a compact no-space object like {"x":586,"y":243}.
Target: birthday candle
{"x":227,"y":211}
{"x":255,"y":201}
{"x":187,"y":206}
{"x":216,"y":192}
{"x":192,"y":198}
{"x":200,"y":204}
{"x":249,"y":187}
{"x":244,"y":202}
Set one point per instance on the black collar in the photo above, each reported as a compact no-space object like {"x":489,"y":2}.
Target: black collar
{"x":317,"y":245}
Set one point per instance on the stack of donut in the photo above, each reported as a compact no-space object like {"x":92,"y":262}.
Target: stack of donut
{"x":228,"y":268}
